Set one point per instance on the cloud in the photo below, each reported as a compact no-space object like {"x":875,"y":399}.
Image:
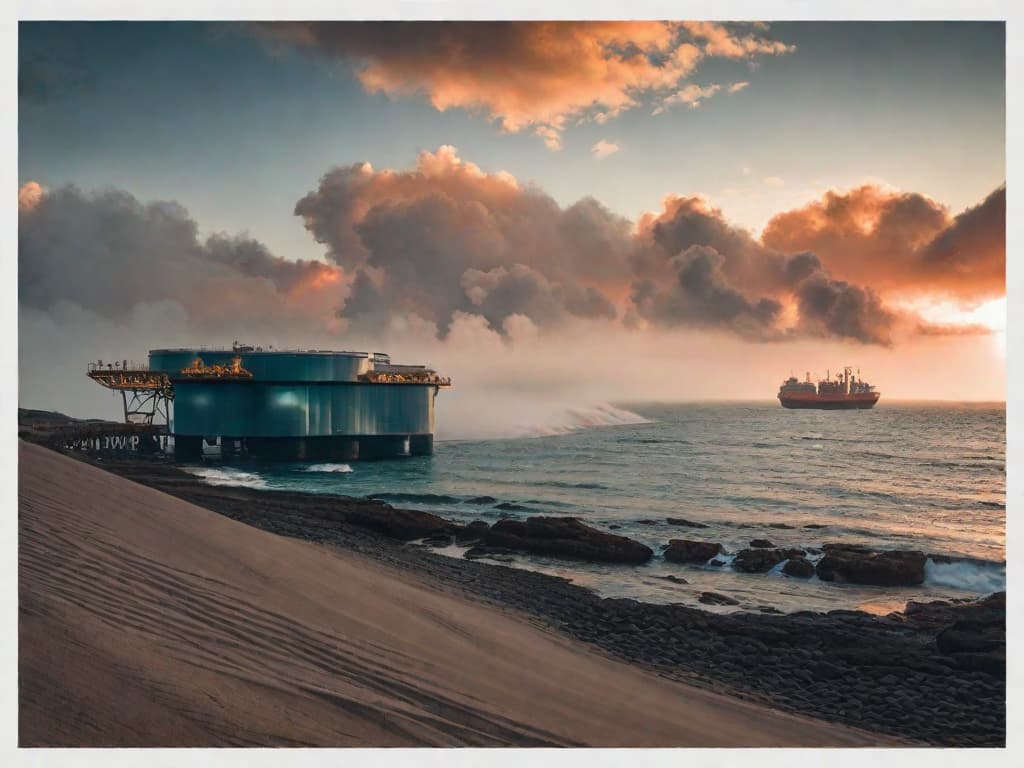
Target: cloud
{"x":526,"y":75}
{"x":29,"y":195}
{"x":694,"y":269}
{"x":726,"y":41}
{"x":774,"y":181}
{"x":446,"y":237}
{"x":736,"y":87}
{"x":901,"y":243}
{"x":106,"y":252}
{"x":414,"y":250}
{"x":692,"y":95}
{"x":604,"y":148}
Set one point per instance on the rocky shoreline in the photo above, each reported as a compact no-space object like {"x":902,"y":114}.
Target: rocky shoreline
{"x":934,"y":674}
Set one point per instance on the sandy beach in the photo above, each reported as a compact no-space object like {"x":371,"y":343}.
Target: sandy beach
{"x":147,"y":621}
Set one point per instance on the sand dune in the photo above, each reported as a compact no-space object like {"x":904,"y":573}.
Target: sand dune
{"x":146,"y":621}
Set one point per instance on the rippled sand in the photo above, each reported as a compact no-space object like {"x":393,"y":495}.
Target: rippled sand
{"x":146,"y":621}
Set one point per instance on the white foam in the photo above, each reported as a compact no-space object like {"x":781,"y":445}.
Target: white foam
{"x":573,"y":419}
{"x":972,"y":576}
{"x":227,"y":476}
{"x":328,"y":468}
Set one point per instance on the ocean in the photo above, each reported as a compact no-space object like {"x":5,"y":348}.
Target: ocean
{"x":923,"y":476}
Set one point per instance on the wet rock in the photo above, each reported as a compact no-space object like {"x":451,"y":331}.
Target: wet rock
{"x":863,"y":565}
{"x":971,"y":637}
{"x":798,"y":567}
{"x":987,"y":663}
{"x":472,"y":532}
{"x":781,"y":526}
{"x":814,"y":526}
{"x":481,"y":500}
{"x":508,"y":506}
{"x":769,"y":609}
{"x":757,"y":560}
{"x":483,"y":551}
{"x":614,"y":527}
{"x":404,"y":524}
{"x":566,"y":537}
{"x":673,"y":579}
{"x":717,"y":563}
{"x":683,"y":522}
{"x":762,"y":544}
{"x":437,"y":541}
{"x":689,"y":551}
{"x":646,"y":522}
{"x":714,"y":598}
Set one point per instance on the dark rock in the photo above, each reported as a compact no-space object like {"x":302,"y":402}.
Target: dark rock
{"x":566,"y":537}
{"x":768,"y":609}
{"x":862,"y":565}
{"x":781,"y":526}
{"x":673,"y":579}
{"x":614,"y":527}
{"x":757,"y":560}
{"x":799,"y":567}
{"x":684,"y":522}
{"x":508,"y":506}
{"x":762,"y":544}
{"x":815,"y":525}
{"x":716,"y":563}
{"x":437,"y":541}
{"x":714,"y":598}
{"x":969,"y":637}
{"x":481,"y":500}
{"x":472,"y":532}
{"x":689,"y":551}
{"x":988,"y":663}
{"x":404,"y":524}
{"x":484,"y":551}
{"x":646,"y":522}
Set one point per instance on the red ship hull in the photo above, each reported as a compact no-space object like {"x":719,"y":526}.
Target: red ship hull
{"x":831,"y":402}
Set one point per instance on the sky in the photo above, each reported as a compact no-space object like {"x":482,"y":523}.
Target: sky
{"x":696,"y":207}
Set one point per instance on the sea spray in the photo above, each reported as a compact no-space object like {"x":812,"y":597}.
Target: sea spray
{"x":228,"y":476}
{"x":973,"y":575}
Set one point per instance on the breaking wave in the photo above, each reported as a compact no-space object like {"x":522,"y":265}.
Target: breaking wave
{"x":415,"y":498}
{"x":328,"y":468}
{"x":574,"y":419}
{"x":975,"y":576}
{"x":225,"y":476}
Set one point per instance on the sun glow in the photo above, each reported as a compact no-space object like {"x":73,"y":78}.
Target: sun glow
{"x":990,"y":314}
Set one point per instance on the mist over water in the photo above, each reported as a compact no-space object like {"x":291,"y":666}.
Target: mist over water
{"x":901,"y":476}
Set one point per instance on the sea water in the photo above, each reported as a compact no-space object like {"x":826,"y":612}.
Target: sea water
{"x":929,"y":477}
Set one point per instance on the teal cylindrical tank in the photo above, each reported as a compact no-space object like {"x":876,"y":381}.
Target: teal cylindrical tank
{"x":293,"y":395}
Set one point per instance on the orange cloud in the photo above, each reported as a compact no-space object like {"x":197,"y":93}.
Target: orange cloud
{"x":722,"y":40}
{"x":537,"y":75}
{"x":901,"y":243}
{"x":29,"y":195}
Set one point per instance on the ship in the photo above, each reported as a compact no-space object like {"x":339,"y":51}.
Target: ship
{"x":847,"y":391}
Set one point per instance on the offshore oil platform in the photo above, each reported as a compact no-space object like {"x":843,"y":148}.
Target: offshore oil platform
{"x":280,"y":405}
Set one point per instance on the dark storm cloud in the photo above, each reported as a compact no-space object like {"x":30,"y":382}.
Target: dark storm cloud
{"x":106,"y":252}
{"x":968,"y":258}
{"x":698,"y":270}
{"x":700,"y":295}
{"x":447,"y":238}
{"x":834,"y":308}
